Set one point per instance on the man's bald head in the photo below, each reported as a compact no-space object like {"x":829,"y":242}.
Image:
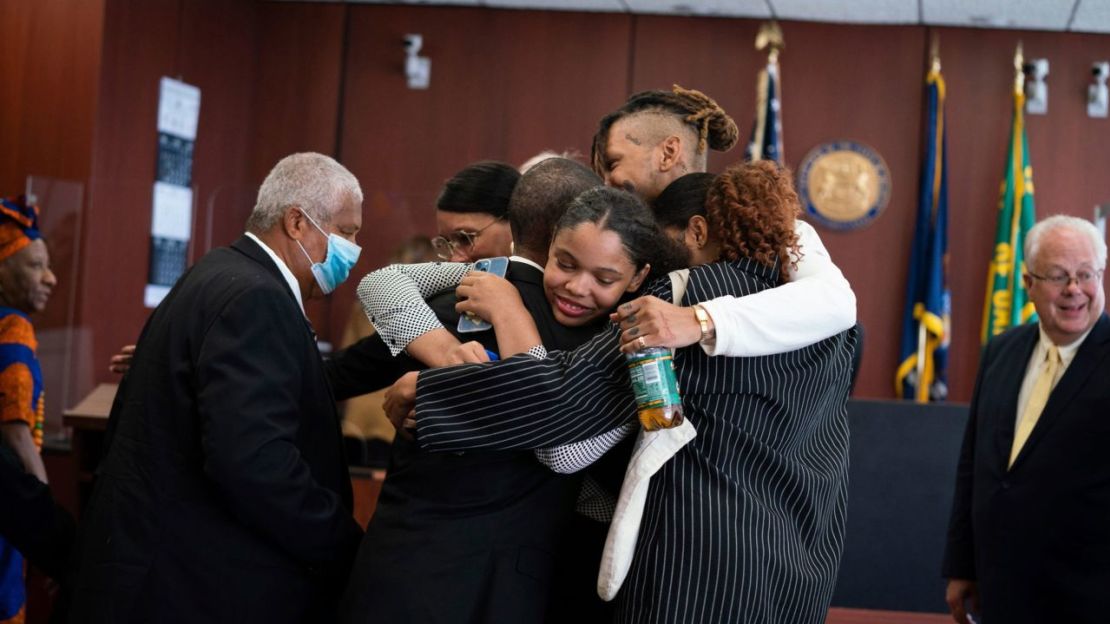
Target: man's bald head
{"x":540,"y":199}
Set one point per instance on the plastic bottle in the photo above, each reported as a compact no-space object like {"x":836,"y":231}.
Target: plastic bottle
{"x":656,"y":388}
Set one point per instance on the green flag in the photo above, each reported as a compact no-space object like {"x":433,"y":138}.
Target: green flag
{"x":1007,"y":303}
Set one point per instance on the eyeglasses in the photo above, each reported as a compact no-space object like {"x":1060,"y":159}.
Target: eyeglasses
{"x":1063,"y":280}
{"x":445,"y":246}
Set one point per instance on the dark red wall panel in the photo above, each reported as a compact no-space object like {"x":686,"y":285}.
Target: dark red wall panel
{"x":1067,"y":149}
{"x":206,"y":43}
{"x":49,"y":68}
{"x":504,"y":85}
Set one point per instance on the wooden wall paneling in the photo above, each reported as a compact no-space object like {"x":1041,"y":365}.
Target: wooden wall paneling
{"x":714,"y":55}
{"x":1066,"y":148}
{"x":864,"y":83}
{"x":504,"y":85}
{"x":562,"y":73}
{"x":298,"y":82}
{"x":296,"y":103}
{"x":220,"y":51}
{"x":206,"y":43}
{"x":49,"y":66}
{"x":140,"y":46}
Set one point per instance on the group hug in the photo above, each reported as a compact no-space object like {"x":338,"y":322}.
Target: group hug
{"x":224,"y":496}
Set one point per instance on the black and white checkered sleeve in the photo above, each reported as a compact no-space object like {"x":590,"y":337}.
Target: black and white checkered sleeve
{"x":393,"y":299}
{"x":578,"y":455}
{"x":595,"y":502}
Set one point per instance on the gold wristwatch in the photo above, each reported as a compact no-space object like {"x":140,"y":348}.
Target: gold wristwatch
{"x":707,"y":333}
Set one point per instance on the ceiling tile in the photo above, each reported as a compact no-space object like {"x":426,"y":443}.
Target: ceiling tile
{"x":854,"y":11}
{"x":1031,"y":14}
{"x":1092,"y":16}
{"x":729,"y":8}
{"x":559,"y":5}
{"x":1089,"y":15}
{"x":429,"y":3}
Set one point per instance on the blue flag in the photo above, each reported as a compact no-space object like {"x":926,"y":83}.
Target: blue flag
{"x":926,"y":321}
{"x":766,"y":143}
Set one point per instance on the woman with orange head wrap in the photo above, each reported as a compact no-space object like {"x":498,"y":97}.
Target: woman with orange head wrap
{"x":25,"y":285}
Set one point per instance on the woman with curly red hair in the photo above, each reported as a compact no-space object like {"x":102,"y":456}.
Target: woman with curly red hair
{"x":745,"y":522}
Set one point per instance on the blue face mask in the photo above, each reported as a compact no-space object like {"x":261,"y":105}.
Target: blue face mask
{"x":341,"y":257}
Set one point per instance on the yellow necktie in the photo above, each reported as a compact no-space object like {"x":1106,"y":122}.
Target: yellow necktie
{"x":1037,"y":399}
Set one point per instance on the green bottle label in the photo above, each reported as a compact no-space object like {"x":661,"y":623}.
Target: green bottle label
{"x":653,"y":378}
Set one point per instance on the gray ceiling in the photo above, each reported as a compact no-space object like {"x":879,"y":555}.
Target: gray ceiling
{"x":1063,"y":15}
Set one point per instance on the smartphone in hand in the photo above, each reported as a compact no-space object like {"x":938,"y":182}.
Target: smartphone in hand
{"x":497,"y":266}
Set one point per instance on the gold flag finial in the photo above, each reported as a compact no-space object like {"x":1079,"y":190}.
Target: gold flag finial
{"x":934,"y":54}
{"x":1019,"y":69}
{"x":770,"y":36}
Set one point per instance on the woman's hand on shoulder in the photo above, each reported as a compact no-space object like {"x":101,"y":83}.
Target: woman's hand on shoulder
{"x":651,"y":322}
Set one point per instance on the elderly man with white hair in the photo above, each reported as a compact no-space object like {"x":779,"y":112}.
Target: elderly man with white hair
{"x":223,"y":495}
{"x":1029,"y":538}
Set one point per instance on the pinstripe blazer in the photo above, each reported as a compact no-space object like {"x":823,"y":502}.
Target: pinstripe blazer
{"x":746,"y":523}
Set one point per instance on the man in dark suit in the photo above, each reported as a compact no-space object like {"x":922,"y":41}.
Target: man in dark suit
{"x":223,"y":495}
{"x":1029,"y":538}
{"x":470,"y":537}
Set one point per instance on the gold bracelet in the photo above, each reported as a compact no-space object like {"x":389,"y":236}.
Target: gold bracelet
{"x":703,"y":323}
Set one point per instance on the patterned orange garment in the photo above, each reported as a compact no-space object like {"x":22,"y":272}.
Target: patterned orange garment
{"x":21,"y":399}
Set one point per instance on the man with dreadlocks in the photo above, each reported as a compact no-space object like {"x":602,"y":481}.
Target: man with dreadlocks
{"x":652,"y":140}
{"x":659,"y":136}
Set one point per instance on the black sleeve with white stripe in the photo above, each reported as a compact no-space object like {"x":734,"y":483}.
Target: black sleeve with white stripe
{"x":525,"y":403}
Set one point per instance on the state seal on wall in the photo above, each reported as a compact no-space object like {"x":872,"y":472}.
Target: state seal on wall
{"x":844,"y":185}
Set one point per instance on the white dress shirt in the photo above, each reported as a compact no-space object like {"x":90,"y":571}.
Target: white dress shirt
{"x":815,"y":304}
{"x":1037,"y":363}
{"x":285,"y":272}
{"x":526,"y":261}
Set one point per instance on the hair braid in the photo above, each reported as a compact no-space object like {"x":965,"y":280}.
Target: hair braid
{"x":715,"y":128}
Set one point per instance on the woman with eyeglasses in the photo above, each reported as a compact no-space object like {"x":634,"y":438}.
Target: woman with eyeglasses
{"x":472,"y":211}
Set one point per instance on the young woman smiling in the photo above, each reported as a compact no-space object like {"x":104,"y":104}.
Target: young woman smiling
{"x":599,"y":254}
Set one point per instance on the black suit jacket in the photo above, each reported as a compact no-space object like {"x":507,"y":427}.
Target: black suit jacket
{"x":223,"y":495}
{"x":462,"y":537}
{"x":1036,"y":536}
{"x":39,"y":528}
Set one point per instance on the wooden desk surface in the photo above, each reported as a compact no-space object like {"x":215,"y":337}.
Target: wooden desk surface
{"x":92,"y":411}
{"x":866,"y":616}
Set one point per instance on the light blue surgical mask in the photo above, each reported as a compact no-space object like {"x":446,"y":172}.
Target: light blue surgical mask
{"x":341,"y":257}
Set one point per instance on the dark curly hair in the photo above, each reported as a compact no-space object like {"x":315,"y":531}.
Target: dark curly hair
{"x":714,"y":128}
{"x":752,"y":207}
